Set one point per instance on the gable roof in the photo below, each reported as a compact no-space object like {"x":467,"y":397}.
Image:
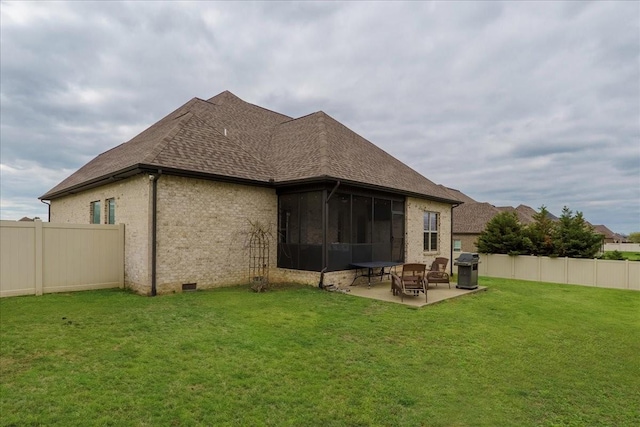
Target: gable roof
{"x":459,"y":195}
{"x":524,"y":213}
{"x":227,"y":138}
{"x":604,"y":231}
{"x":472,"y":217}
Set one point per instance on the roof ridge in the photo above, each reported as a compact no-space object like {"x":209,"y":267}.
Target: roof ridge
{"x":162,"y":144}
{"x":379,"y":149}
{"x":235,"y":144}
{"x":230,"y":95}
{"x":322,"y":137}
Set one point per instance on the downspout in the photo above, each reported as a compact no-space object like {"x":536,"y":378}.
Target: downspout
{"x":154,"y":229}
{"x":48,"y":210}
{"x":333,"y":191}
{"x":451,"y":244}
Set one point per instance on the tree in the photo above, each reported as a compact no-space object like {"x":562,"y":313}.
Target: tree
{"x":574,"y":238}
{"x":634,"y":237}
{"x":615,"y":255}
{"x":541,"y":233}
{"x":504,"y":235}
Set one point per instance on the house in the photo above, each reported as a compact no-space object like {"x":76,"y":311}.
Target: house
{"x":190,"y":188}
{"x":471,"y":218}
{"x":608,"y":236}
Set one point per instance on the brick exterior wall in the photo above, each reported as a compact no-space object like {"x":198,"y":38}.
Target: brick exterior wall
{"x":468,"y":242}
{"x":285,"y":275}
{"x":132,"y":209}
{"x":414,"y":230}
{"x":203,"y":231}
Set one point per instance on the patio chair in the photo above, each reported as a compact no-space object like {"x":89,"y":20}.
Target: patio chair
{"x":411,"y":281}
{"x":438,"y":272}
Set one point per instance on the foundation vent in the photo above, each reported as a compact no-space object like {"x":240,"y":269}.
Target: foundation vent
{"x":187,"y":287}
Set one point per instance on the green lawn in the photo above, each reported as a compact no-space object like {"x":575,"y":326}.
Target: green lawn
{"x":631,"y":256}
{"x":520,"y":354}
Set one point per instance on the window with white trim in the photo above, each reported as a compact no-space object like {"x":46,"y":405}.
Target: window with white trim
{"x":431,"y":231}
{"x":457,"y":245}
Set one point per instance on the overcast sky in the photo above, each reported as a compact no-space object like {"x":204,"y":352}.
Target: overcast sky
{"x":510,"y":102}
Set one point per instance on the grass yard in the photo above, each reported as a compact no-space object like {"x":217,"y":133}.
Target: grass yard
{"x":519,"y":354}
{"x":631,"y":256}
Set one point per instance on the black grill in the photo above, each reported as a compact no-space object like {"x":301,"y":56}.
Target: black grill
{"x":467,"y":259}
{"x":467,"y":270}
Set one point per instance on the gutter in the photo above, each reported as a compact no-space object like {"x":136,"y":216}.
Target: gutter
{"x":329,"y":179}
{"x":151,"y":169}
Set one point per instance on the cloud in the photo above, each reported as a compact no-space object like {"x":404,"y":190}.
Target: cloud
{"x":510,"y":102}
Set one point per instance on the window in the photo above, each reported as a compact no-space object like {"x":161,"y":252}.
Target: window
{"x":431,"y":231}
{"x":457,"y":245}
{"x":94,"y":212}
{"x":110,"y":211}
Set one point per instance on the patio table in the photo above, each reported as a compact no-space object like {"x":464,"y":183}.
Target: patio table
{"x":371,"y":267}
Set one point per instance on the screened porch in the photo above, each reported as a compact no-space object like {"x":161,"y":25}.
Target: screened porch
{"x":332,"y":229}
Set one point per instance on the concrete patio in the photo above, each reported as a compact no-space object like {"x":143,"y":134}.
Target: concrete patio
{"x":381,"y":290}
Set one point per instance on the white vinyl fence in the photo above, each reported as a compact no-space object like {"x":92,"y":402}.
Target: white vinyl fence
{"x":586,"y":272}
{"x":37,"y":257}
{"x":622,"y":247}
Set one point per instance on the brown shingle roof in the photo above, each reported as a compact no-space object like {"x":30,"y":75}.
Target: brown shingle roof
{"x":459,"y":195}
{"x":227,"y":137}
{"x":472,"y":218}
{"x":524,"y":213}
{"x":605,"y":231}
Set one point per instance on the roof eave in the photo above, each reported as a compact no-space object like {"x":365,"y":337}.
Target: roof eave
{"x":327,"y":178}
{"x":148,"y":168}
{"x":92,"y":183}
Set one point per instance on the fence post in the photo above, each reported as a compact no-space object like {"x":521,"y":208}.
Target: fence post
{"x":566,"y":270}
{"x":595,"y":272}
{"x":486,"y":260}
{"x":513,"y":266}
{"x":626,"y":274}
{"x":539,"y":276}
{"x":39,"y":248}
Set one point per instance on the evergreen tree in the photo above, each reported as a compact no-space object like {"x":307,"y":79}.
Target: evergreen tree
{"x":504,"y":235}
{"x":541,"y":233}
{"x":574,"y":238}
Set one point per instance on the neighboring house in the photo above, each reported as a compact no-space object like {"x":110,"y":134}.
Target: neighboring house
{"x":619,"y":238}
{"x":471,"y":218}
{"x":608,"y":236}
{"x":188,"y":187}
